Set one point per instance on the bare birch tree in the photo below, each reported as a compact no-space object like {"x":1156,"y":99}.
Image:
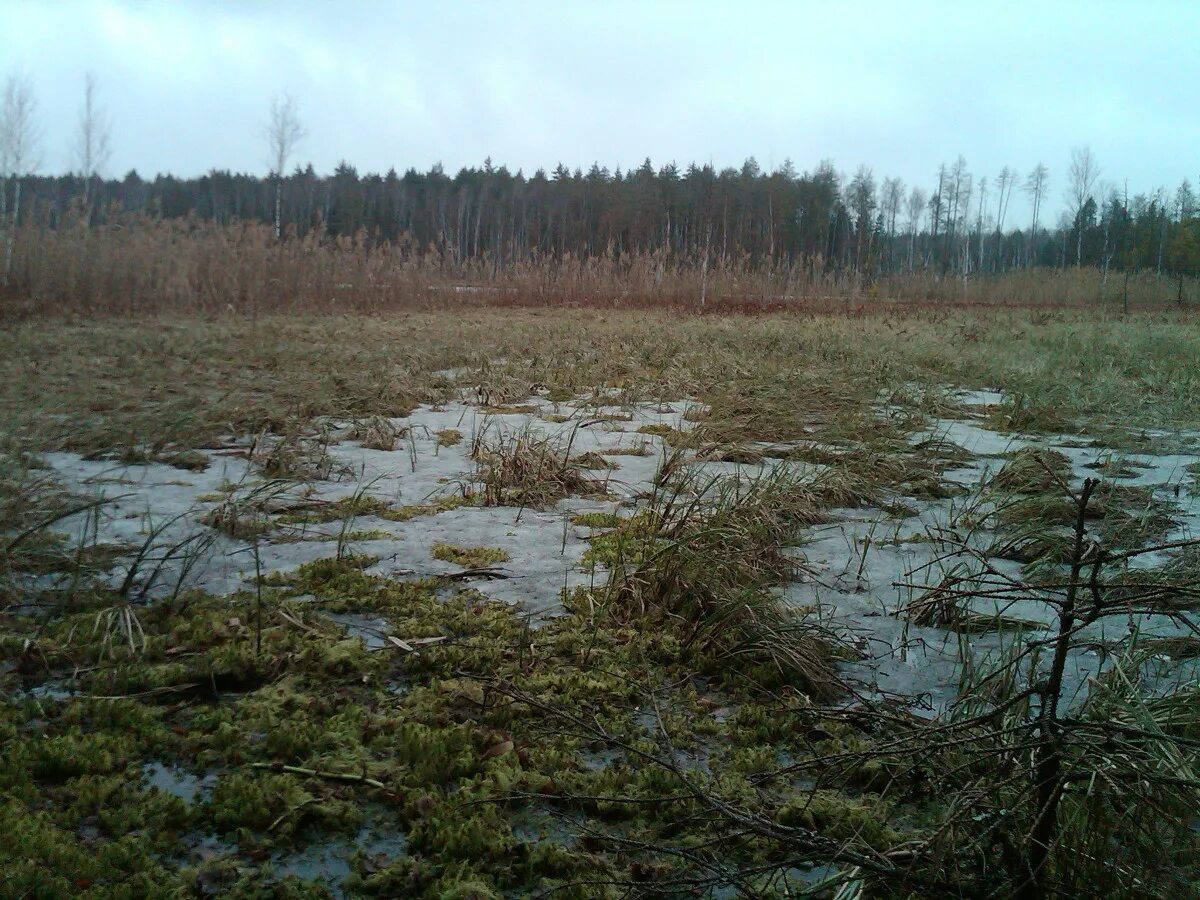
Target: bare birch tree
{"x":284,"y":132}
{"x":91,"y":141}
{"x":1004,"y":186}
{"x":18,"y":137}
{"x":1035,"y":187}
{"x":983,"y":193}
{"x":1081,"y":179}
{"x":915,"y":209}
{"x":893,"y":197}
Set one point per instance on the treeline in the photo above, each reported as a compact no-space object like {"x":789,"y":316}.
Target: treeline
{"x":820,"y":220}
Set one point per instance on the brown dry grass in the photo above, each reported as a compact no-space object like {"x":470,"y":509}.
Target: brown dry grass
{"x":528,"y":468}
{"x":168,"y":383}
{"x":139,"y":265}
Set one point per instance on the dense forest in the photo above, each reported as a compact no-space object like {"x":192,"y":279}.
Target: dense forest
{"x":822,"y":232}
{"x":822,"y":219}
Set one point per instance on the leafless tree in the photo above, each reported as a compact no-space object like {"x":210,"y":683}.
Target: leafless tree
{"x":983,"y":193}
{"x":1128,"y":251}
{"x":1109,"y":210}
{"x":893,"y":197}
{"x":937,"y":203}
{"x":1081,"y":179}
{"x":961,"y":186}
{"x":915,"y":209}
{"x":959,"y":191}
{"x":284,"y":132}
{"x":1004,"y":185}
{"x":91,"y":139}
{"x":18,"y":150}
{"x":1035,"y":187}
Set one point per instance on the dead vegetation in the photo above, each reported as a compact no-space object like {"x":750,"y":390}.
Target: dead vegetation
{"x":138,"y":265}
{"x":294,"y":456}
{"x":526,"y":467}
{"x":1033,"y":470}
{"x":377,"y":433}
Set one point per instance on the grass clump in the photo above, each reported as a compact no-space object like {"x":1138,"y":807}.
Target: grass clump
{"x":947,"y":605}
{"x":377,"y":433}
{"x":703,"y":559}
{"x":592,"y":460}
{"x":448,"y":437}
{"x":189,"y":460}
{"x":238,"y":519}
{"x":675,"y":437}
{"x":642,"y":448}
{"x":469,"y":557}
{"x":527,"y":468}
{"x":735,"y":453}
{"x":1022,"y":413}
{"x":522,"y":409}
{"x":294,"y":457}
{"x":32,"y":504}
{"x":1033,"y":470}
{"x":1186,"y":646}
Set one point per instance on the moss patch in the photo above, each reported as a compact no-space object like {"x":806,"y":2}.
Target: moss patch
{"x":469,"y":557}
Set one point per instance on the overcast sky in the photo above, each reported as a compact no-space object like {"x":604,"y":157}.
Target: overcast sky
{"x":897,"y":86}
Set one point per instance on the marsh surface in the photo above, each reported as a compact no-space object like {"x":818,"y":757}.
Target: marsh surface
{"x":556,"y":620}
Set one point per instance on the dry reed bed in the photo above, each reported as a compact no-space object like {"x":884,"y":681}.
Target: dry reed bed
{"x":140,"y":265}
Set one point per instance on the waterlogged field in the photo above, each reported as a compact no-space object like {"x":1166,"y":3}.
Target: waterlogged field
{"x":498,"y":603}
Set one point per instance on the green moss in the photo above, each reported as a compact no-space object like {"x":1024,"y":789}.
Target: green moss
{"x":41,"y":858}
{"x":335,"y":511}
{"x":440,"y":505}
{"x":597,"y":520}
{"x":324,"y":574}
{"x":629,"y":541}
{"x":373,"y":534}
{"x":840,"y":818}
{"x":469,"y":557}
{"x":254,"y":801}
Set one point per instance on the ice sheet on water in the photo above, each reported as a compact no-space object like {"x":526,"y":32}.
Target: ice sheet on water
{"x":860,"y":569}
{"x":544,"y":549}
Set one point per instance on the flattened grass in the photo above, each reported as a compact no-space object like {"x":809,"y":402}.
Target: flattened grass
{"x":187,"y":382}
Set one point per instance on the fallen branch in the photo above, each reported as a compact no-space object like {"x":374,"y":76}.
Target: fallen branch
{"x":342,"y":777}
